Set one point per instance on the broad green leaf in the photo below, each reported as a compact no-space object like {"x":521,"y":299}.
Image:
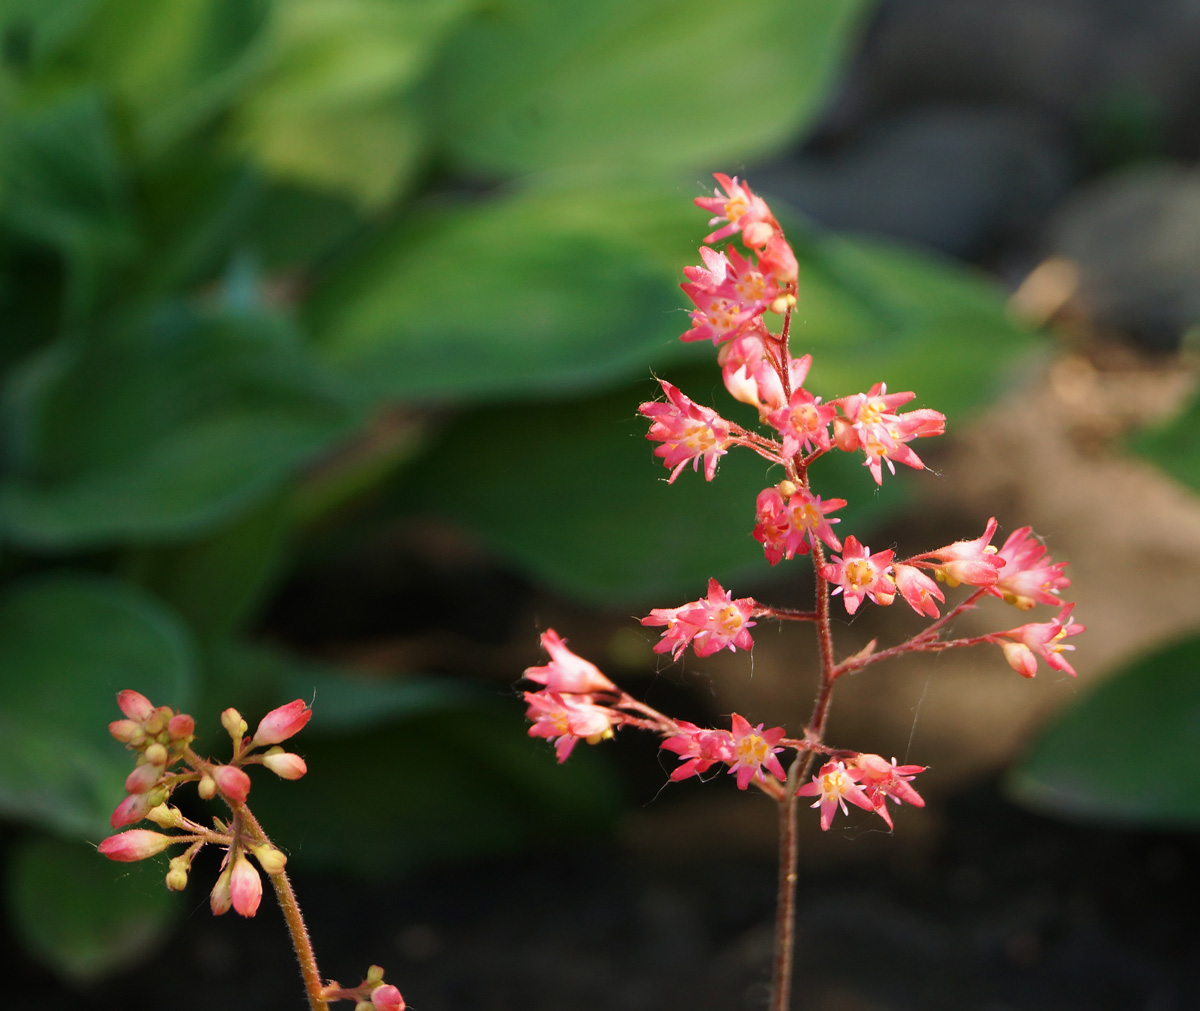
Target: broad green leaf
{"x":82,"y":915}
{"x":331,"y":108}
{"x":1083,"y":764}
{"x":173,"y":65}
{"x":33,"y":29}
{"x":533,"y":85}
{"x":1175,"y":447}
{"x":463,"y":784}
{"x":68,"y":644}
{"x":165,"y":434}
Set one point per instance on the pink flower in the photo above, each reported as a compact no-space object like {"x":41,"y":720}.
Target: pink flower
{"x":804,"y":422}
{"x":749,"y":372}
{"x":567,"y":672}
{"x":753,"y":751}
{"x":975,"y":563}
{"x":566,"y":720}
{"x":688,"y":432}
{"x":710,"y":624}
{"x":285,"y":764}
{"x":135,"y":844}
{"x":728,"y":292}
{"x":870,"y":424}
{"x":918,"y":590}
{"x":387,"y":998}
{"x":700,"y":749}
{"x":232,"y":781}
{"x":741,"y":210}
{"x":881,"y":780}
{"x":1022,"y":646}
{"x":859,"y":574}
{"x":833,"y":785}
{"x":280,"y":724}
{"x":1028,"y":577}
{"x":245,"y":886}
{"x":787,"y":529}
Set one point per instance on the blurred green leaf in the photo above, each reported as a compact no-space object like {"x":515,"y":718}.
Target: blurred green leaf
{"x":446,"y":787}
{"x":332,"y":107}
{"x":1175,"y":447}
{"x":32,"y":29}
{"x":82,"y":915}
{"x":68,"y":644}
{"x":172,"y":66}
{"x":164,"y":434}
{"x":532,"y":85}
{"x":1082,"y":765}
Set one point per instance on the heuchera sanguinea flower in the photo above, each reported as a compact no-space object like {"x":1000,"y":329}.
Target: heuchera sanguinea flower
{"x":1029,"y":577}
{"x":741,"y":211}
{"x":789,"y":527}
{"x":566,"y":720}
{"x":567,"y":672}
{"x":833,"y":785}
{"x":754,"y":752}
{"x":803,"y":423}
{"x":881,"y":780}
{"x":699,"y":748}
{"x":870,"y":424}
{"x":1022,"y":646}
{"x":918,"y":590}
{"x":728,"y":292}
{"x":689,"y":433}
{"x":859,"y":574}
{"x":975,"y":562}
{"x":710,"y":624}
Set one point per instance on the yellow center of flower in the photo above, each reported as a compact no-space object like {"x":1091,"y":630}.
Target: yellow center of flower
{"x":751,"y":749}
{"x":699,"y":438}
{"x":833,"y":784}
{"x":730,"y":620}
{"x":735,"y":207}
{"x":806,"y":515}
{"x":859,"y":573}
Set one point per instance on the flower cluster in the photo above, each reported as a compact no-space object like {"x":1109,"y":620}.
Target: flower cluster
{"x":743,"y":302}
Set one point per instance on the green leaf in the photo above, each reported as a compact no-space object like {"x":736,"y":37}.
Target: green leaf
{"x":1175,"y":447}
{"x":33,"y":30}
{"x":332,"y":108}
{"x":163,"y":435}
{"x":458,"y":785}
{"x":1083,"y":764}
{"x":82,"y":915}
{"x":533,"y":85}
{"x":545,"y":289}
{"x":68,"y":644}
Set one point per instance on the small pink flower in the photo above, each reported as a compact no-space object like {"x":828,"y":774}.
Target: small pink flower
{"x":803,"y":423}
{"x":232,"y":782}
{"x":710,"y":624}
{"x":1028,"y":576}
{"x":285,"y":764}
{"x":135,"y":705}
{"x":881,"y":780}
{"x":741,"y":210}
{"x":245,"y":886}
{"x":918,"y":590}
{"x":833,"y":785}
{"x":689,"y":433}
{"x":387,"y":998}
{"x":280,"y":724}
{"x":135,"y":844}
{"x":565,"y":720}
{"x":1022,"y":646}
{"x":786,"y":529}
{"x":567,"y":672}
{"x":700,"y":749}
{"x":749,"y":372}
{"x":728,"y":292}
{"x":870,"y":424}
{"x":753,"y":751}
{"x":859,"y":574}
{"x":975,"y":563}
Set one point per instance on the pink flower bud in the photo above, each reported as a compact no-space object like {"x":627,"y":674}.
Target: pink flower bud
{"x":285,"y":764}
{"x":280,"y":724}
{"x":135,"y":705}
{"x":220,"y":900}
{"x":143,"y":778}
{"x":132,"y":809}
{"x":181,"y":727}
{"x":245,"y":886}
{"x":387,"y":998}
{"x":136,"y":844}
{"x":126,"y":731}
{"x":1020,"y":658}
{"x":231,"y":781}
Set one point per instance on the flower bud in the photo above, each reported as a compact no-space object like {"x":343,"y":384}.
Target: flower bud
{"x":165,"y":817}
{"x":135,"y":705}
{"x":233,"y":723}
{"x":1020,"y":658}
{"x":127,"y":731}
{"x":157,"y":721}
{"x":387,"y":998}
{"x":136,"y":844}
{"x":285,"y":764}
{"x":282,"y":723}
{"x":245,"y":886}
{"x":220,"y":900}
{"x":207,"y":788}
{"x":232,"y":782}
{"x":143,"y":778}
{"x":155,"y":754}
{"x":132,"y":809}
{"x":177,"y":873}
{"x":271,"y":860}
{"x":181,"y":727}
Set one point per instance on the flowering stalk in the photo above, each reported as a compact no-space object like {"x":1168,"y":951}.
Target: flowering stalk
{"x":735,"y":294}
{"x":162,"y":740}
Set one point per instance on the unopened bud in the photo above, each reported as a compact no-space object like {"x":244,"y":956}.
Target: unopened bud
{"x":157,"y":722}
{"x":387,"y":998}
{"x":207,"y":788}
{"x":220,"y":899}
{"x":374,"y":974}
{"x":165,"y":817}
{"x":177,"y":873}
{"x":233,"y":723}
{"x":136,"y":844}
{"x":285,"y":764}
{"x":787,"y":488}
{"x":181,"y":727}
{"x":127,"y":731}
{"x":135,"y":705}
{"x":234,"y":783}
{"x":155,"y":754}
{"x":280,"y":724}
{"x":271,"y":860}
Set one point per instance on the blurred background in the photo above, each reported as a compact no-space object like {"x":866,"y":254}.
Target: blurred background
{"x":323,"y":326}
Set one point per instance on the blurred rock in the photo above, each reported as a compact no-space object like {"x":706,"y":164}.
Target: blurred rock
{"x":954,"y":180}
{"x":1136,"y":240}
